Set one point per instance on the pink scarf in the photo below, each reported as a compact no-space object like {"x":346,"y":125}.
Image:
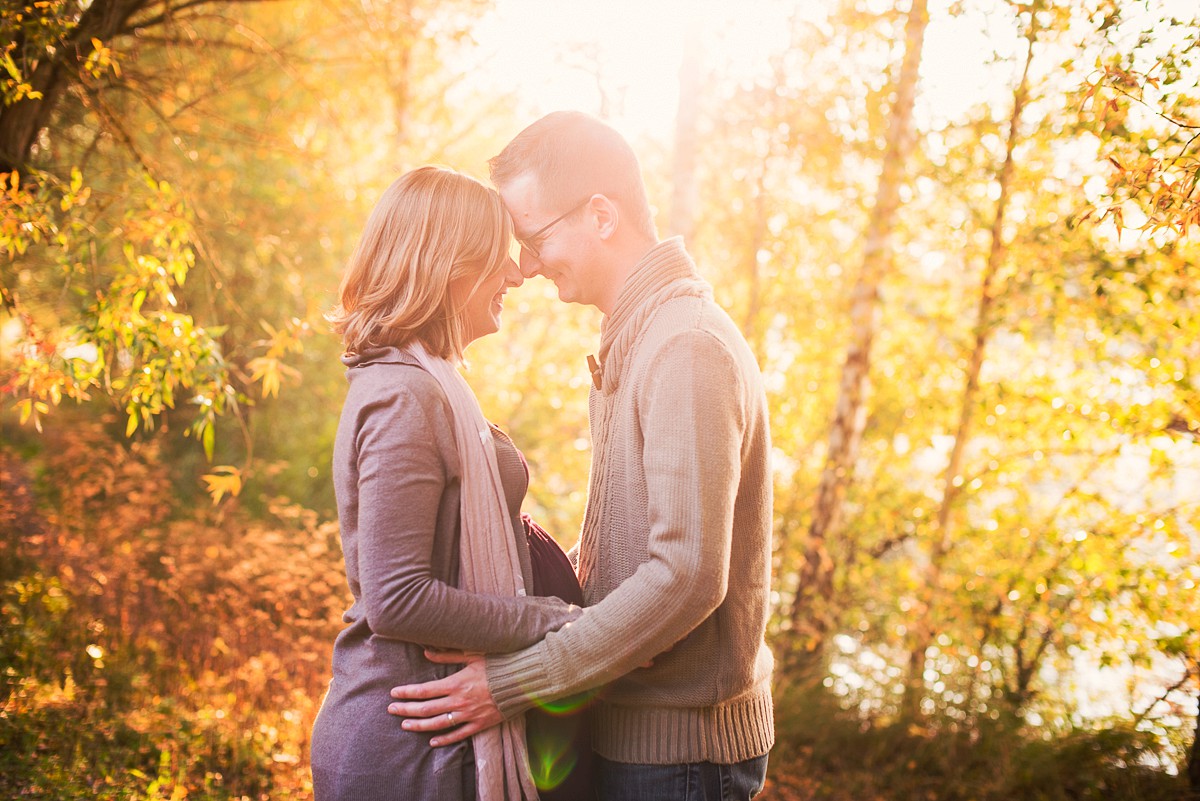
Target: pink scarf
{"x":489,"y":565}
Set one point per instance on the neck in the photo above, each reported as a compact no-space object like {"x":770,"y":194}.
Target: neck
{"x":628,"y":256}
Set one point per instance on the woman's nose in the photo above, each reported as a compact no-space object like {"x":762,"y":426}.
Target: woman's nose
{"x":513,"y":274}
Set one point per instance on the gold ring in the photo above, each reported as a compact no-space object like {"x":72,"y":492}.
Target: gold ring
{"x":450,"y":717}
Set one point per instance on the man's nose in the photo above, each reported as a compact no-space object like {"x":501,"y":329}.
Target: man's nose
{"x":529,"y":264}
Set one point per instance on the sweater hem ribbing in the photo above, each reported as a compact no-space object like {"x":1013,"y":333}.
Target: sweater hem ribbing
{"x":724,"y":734}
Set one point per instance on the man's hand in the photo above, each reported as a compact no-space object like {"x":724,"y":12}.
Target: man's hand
{"x":460,"y":702}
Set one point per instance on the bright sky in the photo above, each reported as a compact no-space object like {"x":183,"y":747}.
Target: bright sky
{"x":552,"y":52}
{"x":555,"y":54}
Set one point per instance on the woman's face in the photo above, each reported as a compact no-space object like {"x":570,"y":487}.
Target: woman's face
{"x":481,"y":308}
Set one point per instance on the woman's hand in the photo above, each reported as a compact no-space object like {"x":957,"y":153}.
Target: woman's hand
{"x":460,"y":704}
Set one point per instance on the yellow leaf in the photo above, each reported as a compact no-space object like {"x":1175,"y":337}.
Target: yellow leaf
{"x":224,"y":479}
{"x":266,"y":370}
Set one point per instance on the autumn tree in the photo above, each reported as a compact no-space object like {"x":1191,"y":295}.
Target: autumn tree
{"x":121,"y":245}
{"x":1138,"y":104}
{"x":169,"y":139}
{"x":810,"y":613}
{"x":989,"y":540}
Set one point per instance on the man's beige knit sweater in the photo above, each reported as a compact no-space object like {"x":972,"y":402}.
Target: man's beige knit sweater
{"x":674,"y":556}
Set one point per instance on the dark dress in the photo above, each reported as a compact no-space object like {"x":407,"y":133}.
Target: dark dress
{"x":560,"y":743}
{"x":558,"y":733}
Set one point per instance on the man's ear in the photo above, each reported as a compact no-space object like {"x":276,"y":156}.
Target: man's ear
{"x":605,"y":214}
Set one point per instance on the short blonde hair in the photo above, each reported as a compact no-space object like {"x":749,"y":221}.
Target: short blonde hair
{"x":431,"y":227}
{"x":572,"y":156}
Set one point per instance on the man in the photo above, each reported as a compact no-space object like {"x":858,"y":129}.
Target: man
{"x":674,"y":554}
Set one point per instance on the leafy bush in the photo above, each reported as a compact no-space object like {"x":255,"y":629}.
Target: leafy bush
{"x":154,"y":652}
{"x":826,"y":752}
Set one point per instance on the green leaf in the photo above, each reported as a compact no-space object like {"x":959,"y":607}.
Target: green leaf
{"x":209,"y":440}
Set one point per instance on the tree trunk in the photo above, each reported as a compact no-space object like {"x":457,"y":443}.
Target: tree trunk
{"x":404,"y":32}
{"x":21,"y":122}
{"x":758,"y":234}
{"x":1193,"y":765}
{"x":811,"y":616}
{"x":683,"y":165}
{"x":952,"y":479}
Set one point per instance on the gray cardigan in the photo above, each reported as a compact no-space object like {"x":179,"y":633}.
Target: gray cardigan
{"x":397,"y":478}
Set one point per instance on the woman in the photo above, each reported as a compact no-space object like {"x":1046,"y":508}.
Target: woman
{"x":428,"y":497}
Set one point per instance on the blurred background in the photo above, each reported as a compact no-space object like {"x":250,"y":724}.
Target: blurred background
{"x":961,"y":238}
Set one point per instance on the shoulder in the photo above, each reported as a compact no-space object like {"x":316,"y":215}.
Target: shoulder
{"x":395,"y":382}
{"x":398,"y":400}
{"x":682,"y":355}
{"x":693,"y":339}
{"x":691,"y":326}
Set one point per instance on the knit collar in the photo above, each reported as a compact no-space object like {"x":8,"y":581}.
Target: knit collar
{"x":384,"y":354}
{"x":665,"y":272}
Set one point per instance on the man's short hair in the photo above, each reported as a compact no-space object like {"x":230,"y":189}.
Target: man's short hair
{"x":572,"y":156}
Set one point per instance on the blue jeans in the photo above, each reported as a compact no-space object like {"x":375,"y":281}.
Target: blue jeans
{"x":697,"y":781}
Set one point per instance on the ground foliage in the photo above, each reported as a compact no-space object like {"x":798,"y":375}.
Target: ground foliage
{"x":826,"y":753}
{"x":117,"y":683}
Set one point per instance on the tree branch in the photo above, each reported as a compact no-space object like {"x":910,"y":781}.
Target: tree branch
{"x":1187,"y":676}
{"x":169,"y":12}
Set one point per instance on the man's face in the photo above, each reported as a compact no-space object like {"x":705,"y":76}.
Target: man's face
{"x":554,"y":242}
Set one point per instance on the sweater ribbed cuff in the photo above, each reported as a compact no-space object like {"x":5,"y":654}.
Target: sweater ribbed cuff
{"x":517,"y":680}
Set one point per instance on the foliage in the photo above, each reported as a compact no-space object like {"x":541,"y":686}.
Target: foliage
{"x":825,"y":752}
{"x":1146,"y":120}
{"x":1069,"y":539}
{"x":177,"y":229}
{"x":29,"y":31}
{"x":118,"y":678}
{"x":123,"y":336}
{"x":240,"y":160}
{"x":94,"y":274}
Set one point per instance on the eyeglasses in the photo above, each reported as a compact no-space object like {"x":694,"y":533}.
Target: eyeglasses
{"x":527,"y":242}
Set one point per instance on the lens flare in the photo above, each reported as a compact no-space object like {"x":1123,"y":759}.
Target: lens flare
{"x":551,"y":760}
{"x":566,"y":706}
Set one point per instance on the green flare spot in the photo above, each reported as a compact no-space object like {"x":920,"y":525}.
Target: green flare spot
{"x":551,"y":761}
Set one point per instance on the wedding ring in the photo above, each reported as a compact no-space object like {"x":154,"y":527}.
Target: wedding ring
{"x":450,"y":717}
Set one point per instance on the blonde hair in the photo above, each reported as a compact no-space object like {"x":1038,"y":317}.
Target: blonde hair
{"x":431,"y":227}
